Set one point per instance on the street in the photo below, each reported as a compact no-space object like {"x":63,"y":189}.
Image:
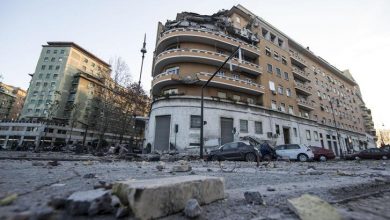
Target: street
{"x":357,"y":189}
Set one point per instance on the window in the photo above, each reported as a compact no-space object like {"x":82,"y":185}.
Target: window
{"x":55,"y":76}
{"x":280,"y":42}
{"x":291,"y":109}
{"x":32,"y":101}
{"x":244,"y":126}
{"x":85,"y":60}
{"x":315,"y":135}
{"x":47,"y":75}
{"x":84,"y":68}
{"x":40,"y":76}
{"x":47,"y":51}
{"x":276,"y":56}
{"x":236,"y":98}
{"x":62,"y":51}
{"x":258,"y":127}
{"x":35,"y":93}
{"x":221,"y":95}
{"x":277,"y":129}
{"x":236,"y":76}
{"x":267,"y":51}
{"x":295,"y":132}
{"x":50,"y":67}
{"x":43,"y":67}
{"x":172,"y":70}
{"x":57,"y":67}
{"x":269,"y":68}
{"x":278,"y":72}
{"x":46,"y":59}
{"x":60,"y":59}
{"x":38,"y":84}
{"x":250,"y":101}
{"x":284,"y":61}
{"x":40,"y":102}
{"x":221,"y":73}
{"x":195,"y":121}
{"x":93,"y":64}
{"x":308,"y":135}
{"x":271,"y":86}
{"x":288,"y":92}
{"x":273,"y":104}
{"x":282,"y":107}
{"x":37,"y":110}
{"x":286,"y":75}
{"x":53,"y":84}
{"x":280,"y":90}
{"x":55,"y":51}
{"x":53,"y":59}
{"x":170,"y":91}
{"x":45,"y":84}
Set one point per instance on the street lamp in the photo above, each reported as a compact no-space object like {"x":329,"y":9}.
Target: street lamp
{"x":335,"y":125}
{"x":202,"y":98}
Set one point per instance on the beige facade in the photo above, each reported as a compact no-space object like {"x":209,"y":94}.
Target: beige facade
{"x":275,"y":76}
{"x":11,"y":101}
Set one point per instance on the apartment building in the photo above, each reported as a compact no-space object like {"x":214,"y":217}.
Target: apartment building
{"x":55,"y":87}
{"x":273,"y":89}
{"x":11,"y":101}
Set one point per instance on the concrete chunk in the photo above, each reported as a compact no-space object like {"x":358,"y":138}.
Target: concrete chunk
{"x":309,"y":207}
{"x":154,"y":198}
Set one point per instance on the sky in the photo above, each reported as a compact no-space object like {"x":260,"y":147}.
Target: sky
{"x":350,"y":34}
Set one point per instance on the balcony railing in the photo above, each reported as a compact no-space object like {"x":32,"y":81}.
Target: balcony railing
{"x":204,"y":56}
{"x":305,"y":104}
{"x":300,"y":74}
{"x":297,"y":57}
{"x":172,"y":33}
{"x":303,"y":88}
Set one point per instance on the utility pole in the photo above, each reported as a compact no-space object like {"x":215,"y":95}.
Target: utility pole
{"x":337,"y":129}
{"x":202,"y":98}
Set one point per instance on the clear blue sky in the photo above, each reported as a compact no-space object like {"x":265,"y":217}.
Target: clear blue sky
{"x":350,"y":34}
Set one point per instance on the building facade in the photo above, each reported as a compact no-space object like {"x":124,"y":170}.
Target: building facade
{"x":11,"y":101}
{"x":273,"y":89}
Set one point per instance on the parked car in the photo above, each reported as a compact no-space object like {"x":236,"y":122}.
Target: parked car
{"x":295,"y":152}
{"x":372,"y":153}
{"x":265,"y":147}
{"x":322,"y":154}
{"x":240,"y":150}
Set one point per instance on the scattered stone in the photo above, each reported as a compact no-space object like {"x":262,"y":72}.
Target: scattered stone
{"x":342,"y":173}
{"x":36,"y":163}
{"x":42,"y":213}
{"x":311,"y":167}
{"x":122,"y":211}
{"x":53,"y":163}
{"x":58,"y":185}
{"x":182,"y":167}
{"x":89,"y":202}
{"x":160,"y":166}
{"x":154,"y":198}
{"x":115,"y":202}
{"x":88,"y":162}
{"x":271,"y":189}
{"x":89,"y":176}
{"x":8,"y":200}
{"x":209,"y":170}
{"x":57,"y":203}
{"x":312,"y":171}
{"x":192,"y":173}
{"x":192,"y":209}
{"x":253,"y":197}
{"x":309,"y":207}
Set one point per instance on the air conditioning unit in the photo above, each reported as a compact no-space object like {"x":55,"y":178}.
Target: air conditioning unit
{"x":269,"y":134}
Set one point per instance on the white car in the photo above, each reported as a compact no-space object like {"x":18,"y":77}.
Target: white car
{"x":294,"y":152}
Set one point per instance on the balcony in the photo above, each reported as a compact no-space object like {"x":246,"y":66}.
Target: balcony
{"x":202,"y":56}
{"x":224,"y":82}
{"x":304,"y":104}
{"x":297,"y":60}
{"x":204,"y":37}
{"x":300,"y":74}
{"x":302,"y":89}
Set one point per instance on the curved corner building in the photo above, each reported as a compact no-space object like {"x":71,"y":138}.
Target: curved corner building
{"x":278,"y":91}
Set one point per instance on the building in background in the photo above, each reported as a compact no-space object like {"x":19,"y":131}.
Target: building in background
{"x":274,"y":89}
{"x":11,"y":101}
{"x":383,"y":136}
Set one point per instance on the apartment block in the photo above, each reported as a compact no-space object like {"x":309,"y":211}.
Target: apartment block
{"x":11,"y":101}
{"x":273,"y":89}
{"x":56,"y":87}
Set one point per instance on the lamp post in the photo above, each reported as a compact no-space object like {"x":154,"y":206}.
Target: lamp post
{"x":335,"y":125}
{"x":202,"y":99}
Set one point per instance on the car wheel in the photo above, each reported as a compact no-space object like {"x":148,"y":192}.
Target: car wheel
{"x":214,"y":158}
{"x":267,"y":157}
{"x":384,"y":158}
{"x":250,"y":157}
{"x":323,"y":158}
{"x":303,"y":157}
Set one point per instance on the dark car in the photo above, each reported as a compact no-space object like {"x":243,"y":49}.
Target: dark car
{"x":239,"y":150}
{"x":267,"y":152}
{"x":322,"y":154}
{"x":372,"y":153}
